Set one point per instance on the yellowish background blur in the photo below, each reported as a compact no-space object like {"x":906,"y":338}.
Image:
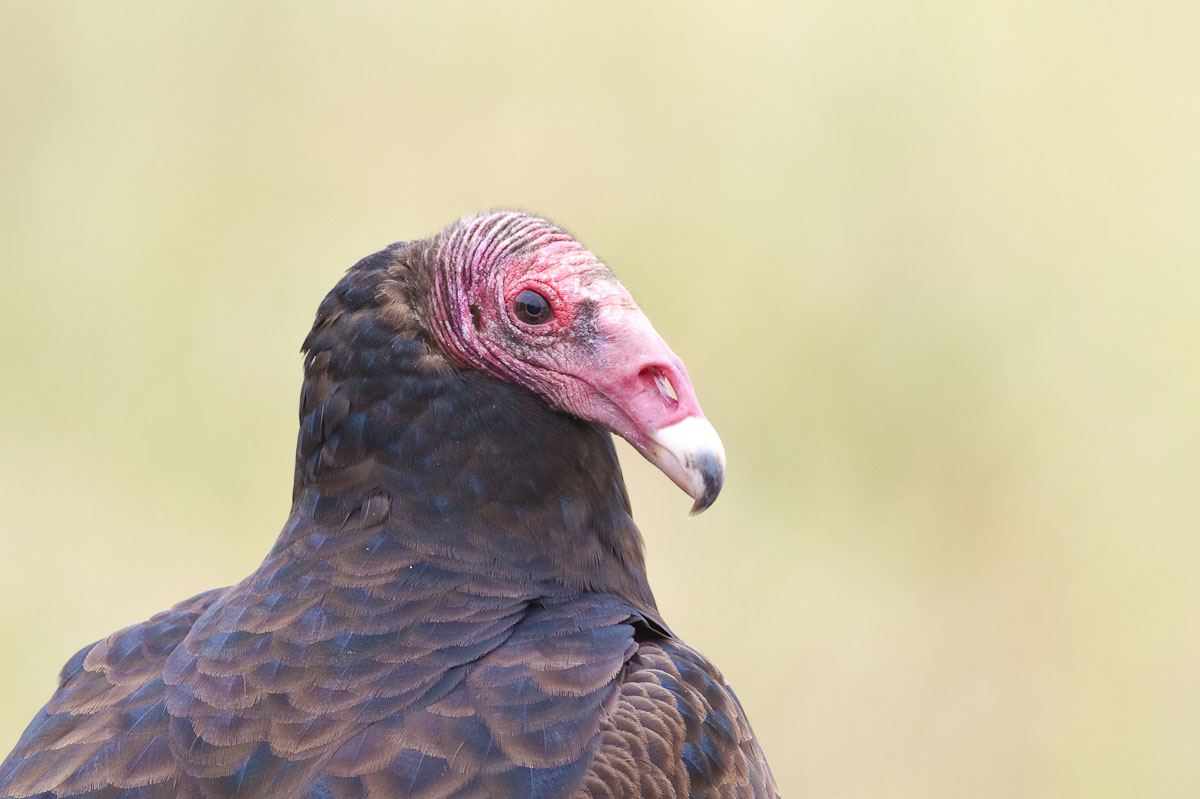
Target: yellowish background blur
{"x":934,"y":268}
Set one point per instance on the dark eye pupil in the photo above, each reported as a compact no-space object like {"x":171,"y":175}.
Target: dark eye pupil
{"x":532,"y":308}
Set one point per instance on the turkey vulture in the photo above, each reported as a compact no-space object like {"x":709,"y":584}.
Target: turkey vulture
{"x":457,"y":605}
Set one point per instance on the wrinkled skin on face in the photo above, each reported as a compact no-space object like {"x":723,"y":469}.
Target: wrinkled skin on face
{"x":596,"y":355}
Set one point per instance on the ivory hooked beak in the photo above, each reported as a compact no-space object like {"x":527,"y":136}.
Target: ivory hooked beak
{"x":691,"y":454}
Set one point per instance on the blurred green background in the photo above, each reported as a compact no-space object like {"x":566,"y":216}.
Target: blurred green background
{"x":934,"y":269}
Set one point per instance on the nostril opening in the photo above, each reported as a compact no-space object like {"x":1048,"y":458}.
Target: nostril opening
{"x":667,"y":388}
{"x":655,"y":375}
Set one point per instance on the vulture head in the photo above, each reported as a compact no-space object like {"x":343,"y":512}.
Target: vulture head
{"x":514,"y":296}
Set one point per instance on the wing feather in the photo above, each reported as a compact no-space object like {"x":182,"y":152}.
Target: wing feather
{"x":676,"y":730}
{"x":105,"y":728}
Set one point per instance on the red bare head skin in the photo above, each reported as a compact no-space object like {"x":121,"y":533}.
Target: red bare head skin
{"x":595,"y":355}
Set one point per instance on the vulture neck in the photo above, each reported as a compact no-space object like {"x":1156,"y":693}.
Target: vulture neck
{"x":404,"y":461}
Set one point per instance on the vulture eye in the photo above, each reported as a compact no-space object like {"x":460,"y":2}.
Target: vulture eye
{"x":532,"y":308}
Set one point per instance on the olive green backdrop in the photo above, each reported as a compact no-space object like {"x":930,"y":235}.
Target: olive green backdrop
{"x":934,"y":269}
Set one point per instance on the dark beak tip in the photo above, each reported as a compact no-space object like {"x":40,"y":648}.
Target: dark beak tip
{"x":713,"y":474}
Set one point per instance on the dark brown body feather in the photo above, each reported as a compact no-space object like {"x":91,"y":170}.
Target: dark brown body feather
{"x":456,"y":607}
